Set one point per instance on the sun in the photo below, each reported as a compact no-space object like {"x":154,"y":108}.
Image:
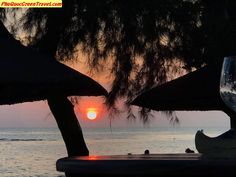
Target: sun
{"x":91,"y":114}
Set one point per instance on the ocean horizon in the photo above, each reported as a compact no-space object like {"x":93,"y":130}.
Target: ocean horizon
{"x":33,"y":151}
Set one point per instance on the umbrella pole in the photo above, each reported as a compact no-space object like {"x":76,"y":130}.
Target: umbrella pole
{"x":67,"y":122}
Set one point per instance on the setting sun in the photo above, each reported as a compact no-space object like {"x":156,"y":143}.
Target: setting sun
{"x":91,"y":109}
{"x":91,"y":114}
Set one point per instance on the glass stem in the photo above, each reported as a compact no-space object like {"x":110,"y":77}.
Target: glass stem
{"x":232,"y":116}
{"x":233,"y":122}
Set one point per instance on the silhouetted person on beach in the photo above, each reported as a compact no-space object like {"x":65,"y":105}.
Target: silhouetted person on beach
{"x":189,"y":151}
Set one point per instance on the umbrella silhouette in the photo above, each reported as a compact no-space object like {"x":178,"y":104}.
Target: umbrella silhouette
{"x":198,"y":90}
{"x":26,"y":75}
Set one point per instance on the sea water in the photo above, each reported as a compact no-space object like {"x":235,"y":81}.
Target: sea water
{"x":26,"y":152}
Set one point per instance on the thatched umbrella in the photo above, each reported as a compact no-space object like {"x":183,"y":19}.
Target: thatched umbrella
{"x":26,"y":75}
{"x":198,"y":90}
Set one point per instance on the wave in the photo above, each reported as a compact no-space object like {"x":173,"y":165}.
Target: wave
{"x":7,"y":139}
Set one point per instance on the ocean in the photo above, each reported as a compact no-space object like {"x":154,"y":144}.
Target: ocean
{"x":32,"y":152}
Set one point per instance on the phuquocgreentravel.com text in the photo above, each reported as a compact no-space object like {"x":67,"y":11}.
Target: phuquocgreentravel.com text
{"x":30,"y":4}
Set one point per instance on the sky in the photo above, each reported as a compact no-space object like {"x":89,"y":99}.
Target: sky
{"x":37,"y":114}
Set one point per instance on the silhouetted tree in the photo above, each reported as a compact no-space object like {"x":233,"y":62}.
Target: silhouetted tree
{"x":196,"y":32}
{"x":143,"y":36}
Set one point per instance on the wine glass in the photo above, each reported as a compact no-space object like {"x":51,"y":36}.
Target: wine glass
{"x":228,"y":82}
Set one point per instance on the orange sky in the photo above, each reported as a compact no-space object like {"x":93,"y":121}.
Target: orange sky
{"x":37,"y":114}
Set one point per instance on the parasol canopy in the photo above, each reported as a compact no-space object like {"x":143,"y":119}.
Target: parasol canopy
{"x":26,"y":75}
{"x":198,"y":90}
